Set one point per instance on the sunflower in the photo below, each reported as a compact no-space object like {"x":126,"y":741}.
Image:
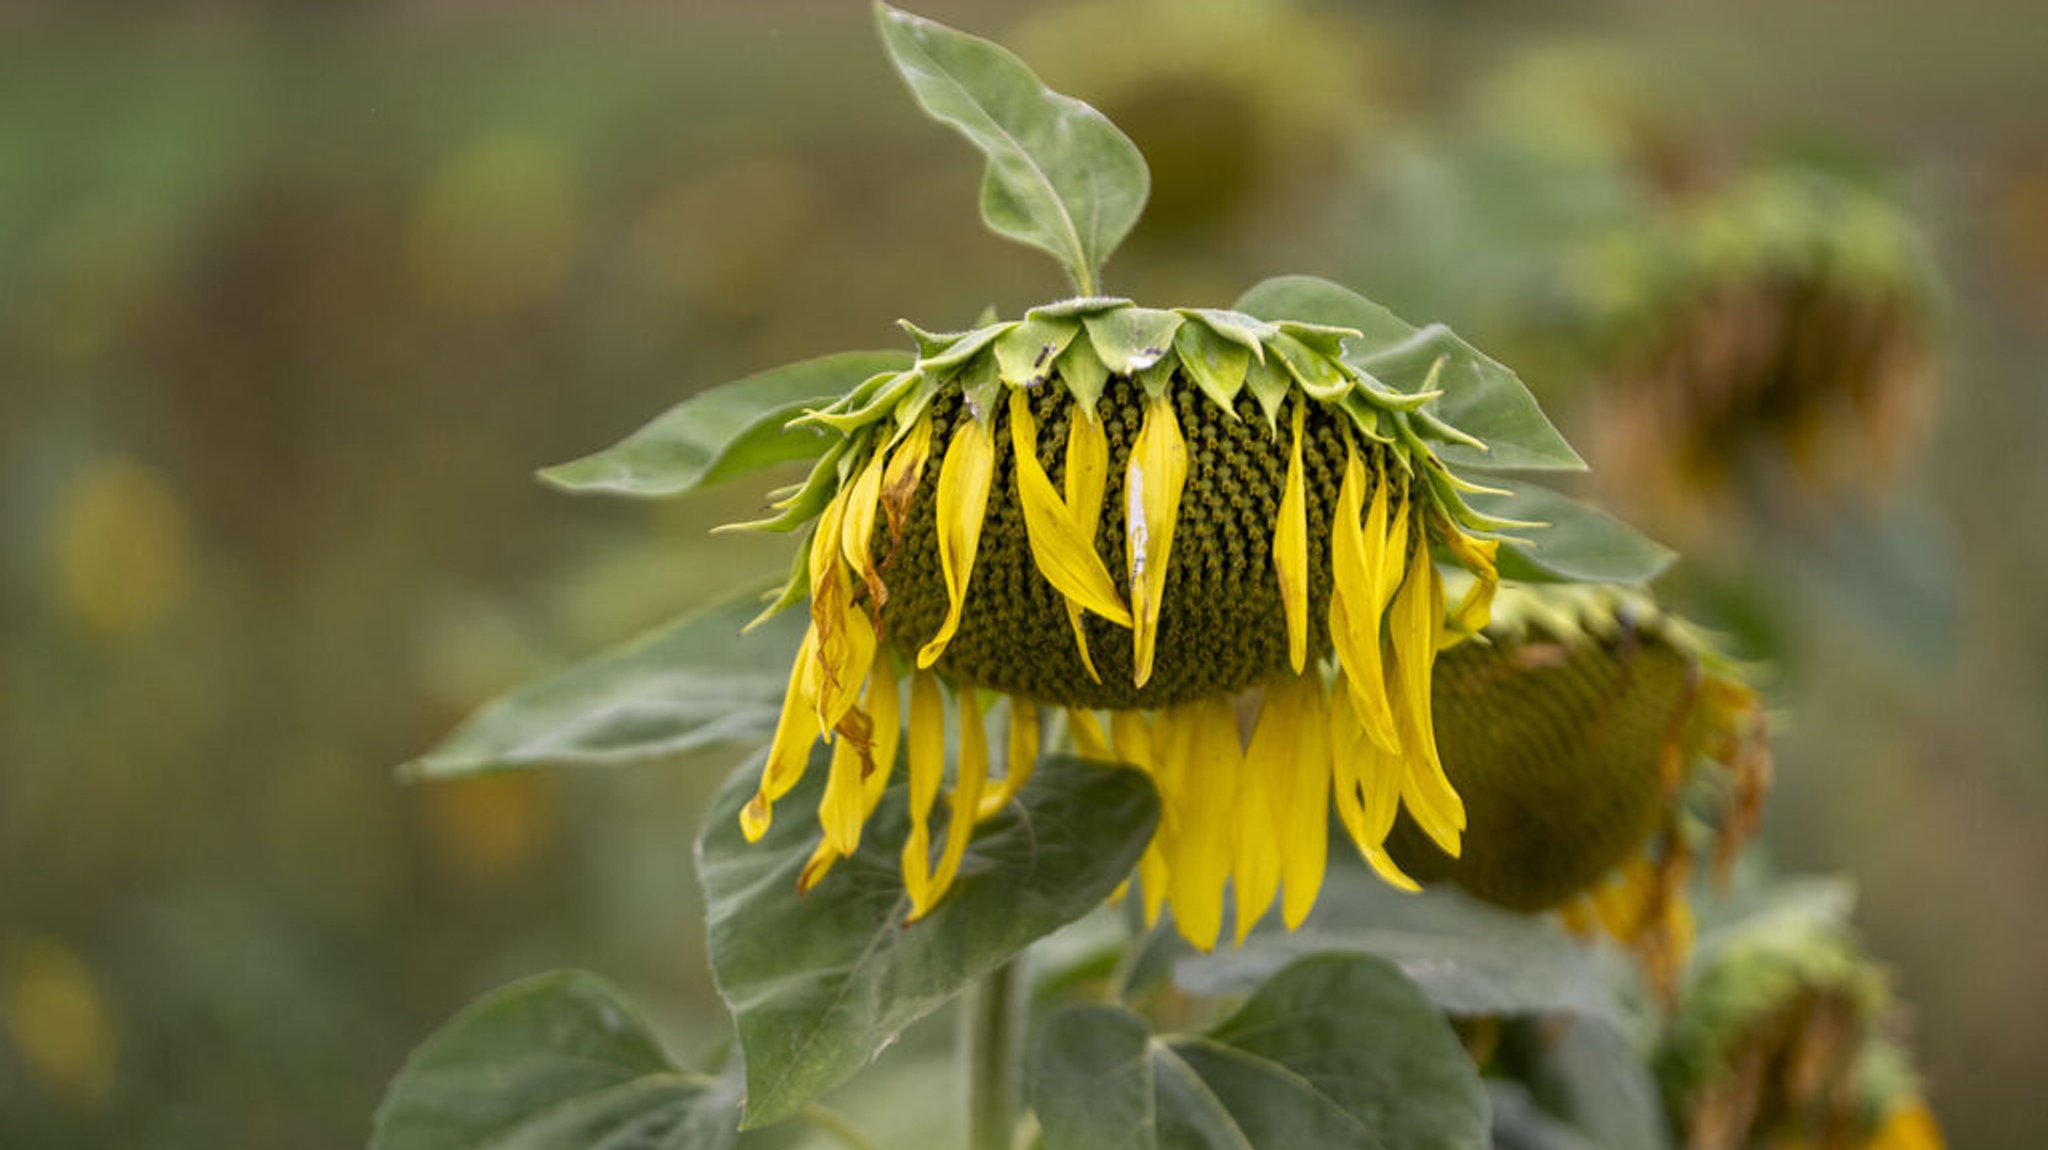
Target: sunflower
{"x":1783,"y":1039}
{"x":1125,"y":522}
{"x":1596,"y":739}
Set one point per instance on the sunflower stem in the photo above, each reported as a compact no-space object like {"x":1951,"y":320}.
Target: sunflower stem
{"x":989,"y":1036}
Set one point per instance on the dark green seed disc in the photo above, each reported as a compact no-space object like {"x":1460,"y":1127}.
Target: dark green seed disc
{"x":1221,"y":624}
{"x":1556,"y":748}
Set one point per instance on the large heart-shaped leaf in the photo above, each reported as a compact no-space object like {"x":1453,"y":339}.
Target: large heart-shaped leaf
{"x":1060,"y":176}
{"x":691,"y":684}
{"x":725,"y":432}
{"x":1481,"y":397}
{"x":1589,"y":1075}
{"x":1334,"y":1051}
{"x":820,"y":984}
{"x":1581,"y":544}
{"x":555,"y":1062}
{"x":1470,"y":958}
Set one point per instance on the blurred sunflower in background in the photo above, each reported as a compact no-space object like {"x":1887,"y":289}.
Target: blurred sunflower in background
{"x":1785,"y":1037}
{"x":1123,"y":519}
{"x":1779,"y":354}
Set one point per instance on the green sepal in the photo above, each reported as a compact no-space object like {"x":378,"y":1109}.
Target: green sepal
{"x":1217,"y":365}
{"x":980,"y":384}
{"x":1269,"y":384}
{"x":1131,"y":339}
{"x":1581,"y":545}
{"x":1248,"y":332}
{"x":964,"y":348}
{"x":1083,"y":373}
{"x":874,"y":398}
{"x":1028,"y":354}
{"x":816,"y":491}
{"x":1324,"y":338}
{"x":1318,"y":374}
{"x":1077,"y":307}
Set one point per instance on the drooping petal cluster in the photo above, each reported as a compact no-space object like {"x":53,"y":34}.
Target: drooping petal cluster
{"x":1126,"y":522}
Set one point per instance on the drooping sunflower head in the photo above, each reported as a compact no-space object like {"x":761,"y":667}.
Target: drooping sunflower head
{"x":1781,"y":1040}
{"x":1787,"y":336}
{"x":1108,"y":508}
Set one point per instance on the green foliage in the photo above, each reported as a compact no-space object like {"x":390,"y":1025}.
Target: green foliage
{"x":1581,"y":544}
{"x":1469,"y":958}
{"x":725,"y":432}
{"x":1060,"y":176}
{"x":819,"y":984}
{"x":555,"y":1061}
{"x":1334,"y":1051}
{"x":691,"y":684}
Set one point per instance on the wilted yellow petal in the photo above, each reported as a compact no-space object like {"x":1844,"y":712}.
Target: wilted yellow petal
{"x":839,"y":811}
{"x":1284,"y":805}
{"x":1305,"y":812}
{"x":964,"y":479}
{"x":1475,"y":606}
{"x":883,"y":709}
{"x":1909,"y":1127}
{"x":1064,"y":554}
{"x":1414,"y":620}
{"x":1086,"y":732}
{"x":1206,"y":789}
{"x":1290,"y":551}
{"x":962,"y":803}
{"x":857,"y":534}
{"x":795,"y":732}
{"x":900,"y":480}
{"x":1152,"y":485}
{"x":1022,"y":757}
{"x":1132,"y":734}
{"x":927,"y":756}
{"x":1087,"y":479}
{"x":1358,"y":596}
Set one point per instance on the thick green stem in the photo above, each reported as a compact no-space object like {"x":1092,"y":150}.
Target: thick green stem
{"x":990,"y":1035}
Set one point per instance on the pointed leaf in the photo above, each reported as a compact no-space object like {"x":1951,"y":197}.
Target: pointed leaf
{"x":1335,"y":1051}
{"x":1470,"y":958}
{"x":725,"y":432}
{"x":1060,"y":176}
{"x":1582,"y":544}
{"x":693,"y":683}
{"x":820,"y":984}
{"x":559,"y":1060}
{"x":1217,"y":364}
{"x":1028,"y":354}
{"x":1481,"y":397}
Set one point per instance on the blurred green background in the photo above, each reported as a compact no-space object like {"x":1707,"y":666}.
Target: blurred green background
{"x":291,"y":304}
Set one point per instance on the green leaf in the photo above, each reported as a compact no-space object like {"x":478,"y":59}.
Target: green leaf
{"x":1590,"y":1076}
{"x":725,"y":432}
{"x":555,"y":1062}
{"x":1481,"y":397}
{"x":820,"y":984}
{"x":1131,"y":339}
{"x":1335,"y":1051}
{"x":1469,"y":958}
{"x":1520,"y":1124}
{"x":693,"y":683}
{"x":1060,"y":176}
{"x":1582,"y":544}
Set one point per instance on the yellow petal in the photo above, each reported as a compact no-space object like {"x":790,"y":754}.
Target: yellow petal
{"x":927,"y":755}
{"x":964,"y":479}
{"x":1475,"y":606}
{"x":1358,"y":597}
{"x":1286,"y":799}
{"x":795,"y":732}
{"x":1087,"y":479}
{"x":882,"y":706}
{"x":1086,"y":732}
{"x":1367,"y":781}
{"x":1132,"y":735}
{"x":1306,"y":812}
{"x":962,"y":803}
{"x":1152,"y":486}
{"x":1206,"y":792}
{"x":1909,"y":1127}
{"x":1414,"y":621}
{"x":839,"y":811}
{"x":904,"y":473}
{"x":857,"y":534}
{"x":1290,"y":549}
{"x":1022,"y":757}
{"x":1064,"y":554}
